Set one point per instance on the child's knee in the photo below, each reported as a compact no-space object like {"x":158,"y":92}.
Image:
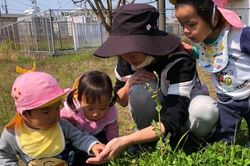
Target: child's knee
{"x":203,"y":115}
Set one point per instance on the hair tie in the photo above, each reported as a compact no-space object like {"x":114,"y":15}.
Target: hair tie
{"x":75,"y":87}
{"x":22,"y":70}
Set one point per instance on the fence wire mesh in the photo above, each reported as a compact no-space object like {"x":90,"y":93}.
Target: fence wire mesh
{"x":42,"y":34}
{"x":57,"y":31}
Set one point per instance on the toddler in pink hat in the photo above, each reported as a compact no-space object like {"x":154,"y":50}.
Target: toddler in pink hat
{"x":36,"y":134}
{"x":221,"y":46}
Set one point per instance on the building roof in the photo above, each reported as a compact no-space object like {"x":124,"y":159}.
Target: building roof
{"x":11,"y":15}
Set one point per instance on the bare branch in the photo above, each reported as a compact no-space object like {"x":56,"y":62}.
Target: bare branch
{"x":118,"y":3}
{"x":93,"y":7}
{"x":102,"y":16}
{"x":104,"y":11}
{"x":103,"y":7}
{"x":110,"y":10}
{"x":109,"y":4}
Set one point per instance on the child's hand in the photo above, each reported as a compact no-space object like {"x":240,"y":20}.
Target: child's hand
{"x":187,"y":47}
{"x":97,"y":148}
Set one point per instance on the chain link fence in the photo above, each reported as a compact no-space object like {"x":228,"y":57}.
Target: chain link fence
{"x":46,"y":35}
{"x":42,"y":35}
{"x":52,"y":34}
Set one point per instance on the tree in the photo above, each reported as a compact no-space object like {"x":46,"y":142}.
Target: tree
{"x":103,"y":9}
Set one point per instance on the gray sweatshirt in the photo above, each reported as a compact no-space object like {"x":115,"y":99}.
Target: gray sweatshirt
{"x":9,"y":150}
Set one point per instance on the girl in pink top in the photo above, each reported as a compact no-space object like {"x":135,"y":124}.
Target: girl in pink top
{"x":90,"y":106}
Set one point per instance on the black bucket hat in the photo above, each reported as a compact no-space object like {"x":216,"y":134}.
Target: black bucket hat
{"x":134,"y":29}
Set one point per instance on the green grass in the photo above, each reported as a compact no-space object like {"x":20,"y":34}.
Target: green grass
{"x":65,"y":68}
{"x":68,"y":67}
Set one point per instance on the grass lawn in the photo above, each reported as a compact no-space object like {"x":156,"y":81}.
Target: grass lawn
{"x":68,"y":67}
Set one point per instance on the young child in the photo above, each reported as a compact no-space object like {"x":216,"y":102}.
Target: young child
{"x":221,"y":45}
{"x":36,"y":134}
{"x":90,"y":106}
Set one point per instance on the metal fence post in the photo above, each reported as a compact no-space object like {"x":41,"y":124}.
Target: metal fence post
{"x":52,"y":32}
{"x":14,"y":37}
{"x":27,"y":39}
{"x":35,"y":32}
{"x":47,"y":32}
{"x":19,"y":29}
{"x":8,"y":33}
{"x":101,"y":33}
{"x":74,"y":35}
{"x":59,"y":33}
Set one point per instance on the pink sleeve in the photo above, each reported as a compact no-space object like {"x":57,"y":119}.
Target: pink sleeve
{"x":112,"y":129}
{"x":68,"y":114}
{"x":64,"y":113}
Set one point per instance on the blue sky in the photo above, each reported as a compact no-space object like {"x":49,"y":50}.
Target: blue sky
{"x":19,"y":6}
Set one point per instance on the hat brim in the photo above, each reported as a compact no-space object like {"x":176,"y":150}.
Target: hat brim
{"x":56,"y":99}
{"x":231,"y":17}
{"x":158,"y":44}
{"x":48,"y":102}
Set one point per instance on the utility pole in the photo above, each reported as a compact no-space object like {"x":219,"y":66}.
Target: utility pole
{"x":162,"y":17}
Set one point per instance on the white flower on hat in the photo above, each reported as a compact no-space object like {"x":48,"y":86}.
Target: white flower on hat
{"x":148,"y":27}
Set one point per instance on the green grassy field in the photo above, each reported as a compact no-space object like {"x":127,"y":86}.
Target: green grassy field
{"x":68,"y":67}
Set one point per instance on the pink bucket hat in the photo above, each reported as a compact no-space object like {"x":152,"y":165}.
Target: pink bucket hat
{"x":231,"y":16}
{"x":35,"y":90}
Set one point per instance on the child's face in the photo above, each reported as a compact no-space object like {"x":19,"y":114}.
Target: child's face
{"x":97,"y":110}
{"x":194,"y":27}
{"x":43,"y":118}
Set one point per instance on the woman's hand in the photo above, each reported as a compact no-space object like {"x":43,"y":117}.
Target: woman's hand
{"x":112,"y":149}
{"x":118,"y":145}
{"x":140,"y":77}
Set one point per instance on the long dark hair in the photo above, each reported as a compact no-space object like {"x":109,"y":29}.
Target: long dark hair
{"x":204,"y":9}
{"x":92,"y":86}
